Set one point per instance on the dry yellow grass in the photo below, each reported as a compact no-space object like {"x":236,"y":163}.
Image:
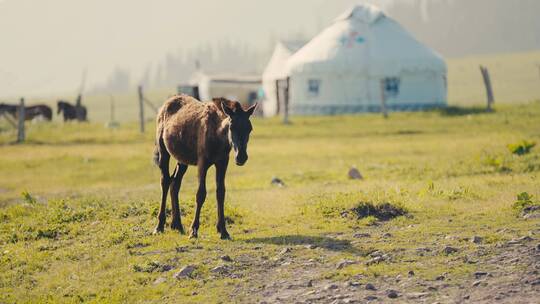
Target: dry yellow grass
{"x":515,"y":78}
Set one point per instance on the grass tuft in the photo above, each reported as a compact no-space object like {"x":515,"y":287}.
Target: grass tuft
{"x":28,"y":198}
{"x":522,"y":147}
{"x":525,"y":200}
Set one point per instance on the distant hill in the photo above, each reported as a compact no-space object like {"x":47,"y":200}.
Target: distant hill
{"x":467,"y":27}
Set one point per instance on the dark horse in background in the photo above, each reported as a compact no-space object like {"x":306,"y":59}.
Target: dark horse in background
{"x":30,"y":112}
{"x":199,"y":134}
{"x":71,"y":112}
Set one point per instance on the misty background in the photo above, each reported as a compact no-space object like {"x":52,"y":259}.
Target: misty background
{"x":47,"y":44}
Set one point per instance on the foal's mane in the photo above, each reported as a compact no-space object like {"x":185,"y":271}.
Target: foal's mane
{"x":229,"y":103}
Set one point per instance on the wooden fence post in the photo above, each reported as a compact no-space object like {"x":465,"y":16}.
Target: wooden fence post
{"x":20,"y":127}
{"x":286,"y":102}
{"x":384,"y":110}
{"x":489,"y":89}
{"x":79,"y":112}
{"x":112,"y":118}
{"x":141,"y":107}
{"x":278,"y":103}
{"x":78,"y":102}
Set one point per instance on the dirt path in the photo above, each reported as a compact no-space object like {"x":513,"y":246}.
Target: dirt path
{"x":506,"y":273}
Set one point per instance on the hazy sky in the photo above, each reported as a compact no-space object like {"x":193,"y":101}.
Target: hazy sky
{"x":45,"y":44}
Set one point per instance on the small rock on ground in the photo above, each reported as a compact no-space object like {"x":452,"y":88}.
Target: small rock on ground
{"x":480,"y":274}
{"x":449,"y":250}
{"x":277,"y":182}
{"x":344,"y":263}
{"x":226,"y":258}
{"x":375,"y":260}
{"x":478,"y":283}
{"x":370,"y":286}
{"x":354,"y":174}
{"x":392,"y":294}
{"x":330,"y":287}
{"x":219,"y":269}
{"x":477,"y":239}
{"x":185,"y":272}
{"x":181,"y":249}
{"x":354,"y":284}
{"x":361,"y":235}
{"x":285,"y":250}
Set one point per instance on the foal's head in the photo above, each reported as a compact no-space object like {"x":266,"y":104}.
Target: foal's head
{"x":239,"y":129}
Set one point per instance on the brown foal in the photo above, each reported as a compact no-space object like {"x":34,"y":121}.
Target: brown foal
{"x":199,"y":134}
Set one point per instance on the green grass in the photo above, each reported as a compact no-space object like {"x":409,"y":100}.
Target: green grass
{"x":78,"y":203}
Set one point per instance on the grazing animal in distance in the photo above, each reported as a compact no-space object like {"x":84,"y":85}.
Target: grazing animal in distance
{"x":71,"y":112}
{"x":200,"y":134}
{"x":8,"y":108}
{"x":30,"y":112}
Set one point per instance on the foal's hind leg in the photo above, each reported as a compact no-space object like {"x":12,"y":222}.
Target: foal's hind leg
{"x":164,"y":157}
{"x":178,"y":174}
{"x":201,"y":196}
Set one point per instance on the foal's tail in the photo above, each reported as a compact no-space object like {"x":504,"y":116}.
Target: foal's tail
{"x":155,"y":156}
{"x":159,"y":146}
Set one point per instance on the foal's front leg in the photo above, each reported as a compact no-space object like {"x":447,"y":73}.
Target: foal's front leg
{"x":221,"y":169}
{"x":201,"y":196}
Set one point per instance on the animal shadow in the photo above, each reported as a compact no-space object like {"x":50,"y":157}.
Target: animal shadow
{"x":462,"y":111}
{"x":325,"y":242}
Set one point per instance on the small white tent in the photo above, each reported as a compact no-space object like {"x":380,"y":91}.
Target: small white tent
{"x":275,"y":70}
{"x":361,"y":59}
{"x":239,"y":87}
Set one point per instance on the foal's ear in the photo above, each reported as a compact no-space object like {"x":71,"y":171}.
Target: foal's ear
{"x":250,"y":110}
{"x":226,"y":109}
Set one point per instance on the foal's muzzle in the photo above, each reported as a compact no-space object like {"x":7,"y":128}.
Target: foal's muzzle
{"x":241,"y":158}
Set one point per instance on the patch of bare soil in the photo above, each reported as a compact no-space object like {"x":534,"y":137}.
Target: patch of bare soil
{"x":383,"y":212}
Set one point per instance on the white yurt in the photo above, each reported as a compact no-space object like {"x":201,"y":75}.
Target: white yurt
{"x":275,"y":70}
{"x":361,"y":60}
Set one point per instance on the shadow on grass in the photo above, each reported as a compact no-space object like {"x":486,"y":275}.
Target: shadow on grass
{"x":319,"y":241}
{"x":461,"y":111}
{"x":408,"y":132}
{"x":75,"y":142}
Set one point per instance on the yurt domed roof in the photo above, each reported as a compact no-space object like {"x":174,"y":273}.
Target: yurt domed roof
{"x":364,"y":40}
{"x":283,"y":51}
{"x":365,"y":13}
